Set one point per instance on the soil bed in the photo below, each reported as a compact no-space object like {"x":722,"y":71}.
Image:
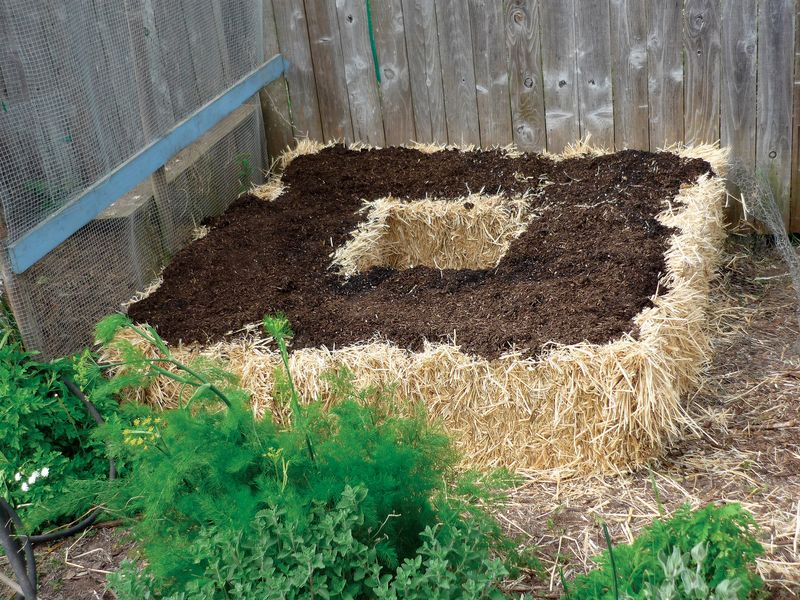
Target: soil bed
{"x":581,"y":271}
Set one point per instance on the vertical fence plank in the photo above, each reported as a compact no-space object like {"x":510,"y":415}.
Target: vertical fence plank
{"x":359,"y":69}
{"x":155,"y":102}
{"x":629,"y":55}
{"x":274,"y":99}
{"x":176,"y":56}
{"x":739,"y":41}
{"x":491,"y":71}
{"x":292,"y":30}
{"x":665,"y":72}
{"x":525,"y":74}
{"x":326,"y":52}
{"x":395,"y":85}
{"x":425,"y":70}
{"x":458,"y":73}
{"x":794,"y":225}
{"x":776,"y":34}
{"x":559,"y":73}
{"x":702,"y":67}
{"x":116,"y":72}
{"x":593,"y":57}
{"x":206,"y":50}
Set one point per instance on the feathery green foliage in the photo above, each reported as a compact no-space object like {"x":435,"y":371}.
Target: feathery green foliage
{"x":706,"y":553}
{"x":210,"y":487}
{"x":45,"y":432}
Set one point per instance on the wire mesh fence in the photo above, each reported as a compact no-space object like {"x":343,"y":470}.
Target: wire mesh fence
{"x":84,"y":85}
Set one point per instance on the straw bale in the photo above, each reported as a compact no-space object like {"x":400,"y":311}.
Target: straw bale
{"x":472,"y":232}
{"x":576,"y":409}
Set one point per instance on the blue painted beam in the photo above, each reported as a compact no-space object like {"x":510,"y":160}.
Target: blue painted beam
{"x":47,"y":235}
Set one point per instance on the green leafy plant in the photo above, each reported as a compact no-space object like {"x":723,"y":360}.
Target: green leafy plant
{"x":213,"y":487}
{"x":245,"y":163}
{"x":283,"y":555}
{"x":46,"y":432}
{"x":708,"y":553}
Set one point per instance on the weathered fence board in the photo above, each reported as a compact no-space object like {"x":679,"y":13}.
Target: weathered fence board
{"x":491,"y":72}
{"x":292,"y":30}
{"x":701,"y":26}
{"x":665,"y":72}
{"x":525,"y":73}
{"x":458,"y":73}
{"x":559,"y":73}
{"x":593,"y":46}
{"x":326,"y":53}
{"x":359,"y":69}
{"x":274,"y":98}
{"x":629,"y":57}
{"x":794,"y":199}
{"x":776,"y":23}
{"x":738,"y":84}
{"x":425,"y":70}
{"x":395,"y":85}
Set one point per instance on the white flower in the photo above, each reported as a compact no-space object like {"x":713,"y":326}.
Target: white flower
{"x":34,"y":476}
{"x":45,"y":471}
{"x":17,"y":476}
{"x":24,"y":487}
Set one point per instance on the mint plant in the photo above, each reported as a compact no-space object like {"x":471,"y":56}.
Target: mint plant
{"x":708,"y":553}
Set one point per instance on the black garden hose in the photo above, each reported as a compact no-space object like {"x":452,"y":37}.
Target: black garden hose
{"x":18,"y":547}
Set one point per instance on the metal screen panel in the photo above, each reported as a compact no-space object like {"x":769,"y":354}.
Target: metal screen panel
{"x":86,"y":84}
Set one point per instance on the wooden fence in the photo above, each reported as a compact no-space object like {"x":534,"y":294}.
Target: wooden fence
{"x":543,"y":73}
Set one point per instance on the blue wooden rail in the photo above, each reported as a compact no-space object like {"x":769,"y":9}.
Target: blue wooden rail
{"x":47,"y":235}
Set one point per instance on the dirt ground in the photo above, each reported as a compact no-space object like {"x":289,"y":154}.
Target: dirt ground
{"x":76,"y":568}
{"x":585,"y":266}
{"x":747,"y":449}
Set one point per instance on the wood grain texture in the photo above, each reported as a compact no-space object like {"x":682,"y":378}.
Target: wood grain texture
{"x":593,"y":39}
{"x":523,"y":42}
{"x":794,"y":225}
{"x":739,"y":42}
{"x":701,"y":29}
{"x":274,"y":98}
{"x":629,"y":55}
{"x":293,"y":42}
{"x":359,"y":69}
{"x":326,"y":52}
{"x":176,"y":57}
{"x":458,"y":73}
{"x":665,"y":72}
{"x":776,"y":33}
{"x":206,"y":45}
{"x":114,"y":73}
{"x":395,"y":85}
{"x":559,"y":72}
{"x":155,"y":103}
{"x":491,"y":71}
{"x":155,"y":99}
{"x":425,"y":70}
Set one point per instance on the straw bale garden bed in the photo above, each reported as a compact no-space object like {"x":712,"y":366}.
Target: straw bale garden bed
{"x":485,"y":389}
{"x":550,"y":311}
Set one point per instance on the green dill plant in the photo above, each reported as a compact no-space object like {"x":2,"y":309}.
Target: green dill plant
{"x":350,"y":498}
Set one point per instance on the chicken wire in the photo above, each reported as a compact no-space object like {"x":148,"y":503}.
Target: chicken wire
{"x":86,"y":84}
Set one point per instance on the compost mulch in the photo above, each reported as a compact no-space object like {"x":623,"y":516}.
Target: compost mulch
{"x":582,"y":270}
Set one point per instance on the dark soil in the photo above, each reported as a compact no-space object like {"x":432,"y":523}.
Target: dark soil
{"x":582,"y":270}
